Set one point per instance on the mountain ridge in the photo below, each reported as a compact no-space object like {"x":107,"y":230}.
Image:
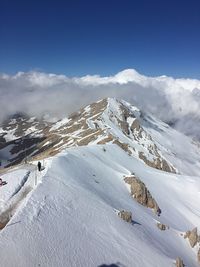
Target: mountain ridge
{"x":107,"y":160}
{"x":96,"y":123}
{"x":107,"y":120}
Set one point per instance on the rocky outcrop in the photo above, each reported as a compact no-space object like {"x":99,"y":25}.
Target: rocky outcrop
{"x":141,"y":194}
{"x":192,"y":237}
{"x":162,"y":226}
{"x":179,"y":262}
{"x":158,"y":163}
{"x":136,"y":126}
{"x":124,"y":146}
{"x":125,"y":215}
{"x":198,"y":256}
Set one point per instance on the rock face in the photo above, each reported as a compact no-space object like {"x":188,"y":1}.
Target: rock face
{"x":125,"y":215}
{"x":179,"y":262}
{"x":142,"y":195}
{"x":162,"y":226}
{"x":192,"y":236}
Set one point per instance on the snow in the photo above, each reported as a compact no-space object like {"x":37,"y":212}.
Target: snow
{"x":30,"y":130}
{"x":70,"y":218}
{"x":175,"y":146}
{"x":59,"y":124}
{"x":46,"y":143}
{"x":15,"y":180}
{"x":109,"y":121}
{"x":87,"y":109}
{"x":66,"y":215}
{"x":164,"y":96}
{"x":32,"y":119}
{"x":130,"y":120}
{"x":58,"y":144}
{"x":13,"y":121}
{"x":9,"y":135}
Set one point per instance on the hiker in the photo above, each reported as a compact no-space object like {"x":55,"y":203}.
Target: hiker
{"x":39,"y":166}
{"x":1,"y":182}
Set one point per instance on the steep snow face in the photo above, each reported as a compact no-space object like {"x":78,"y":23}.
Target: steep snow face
{"x":70,"y":219}
{"x":175,"y":147}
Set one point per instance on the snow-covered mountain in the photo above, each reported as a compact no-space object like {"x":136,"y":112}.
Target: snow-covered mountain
{"x":106,"y":121}
{"x":119,"y":188}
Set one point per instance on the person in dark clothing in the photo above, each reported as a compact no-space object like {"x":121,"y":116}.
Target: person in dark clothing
{"x":39,"y":166}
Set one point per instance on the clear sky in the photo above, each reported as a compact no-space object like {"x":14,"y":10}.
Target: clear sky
{"x":75,"y":37}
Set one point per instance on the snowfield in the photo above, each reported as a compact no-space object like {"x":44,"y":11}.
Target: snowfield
{"x":70,"y":217}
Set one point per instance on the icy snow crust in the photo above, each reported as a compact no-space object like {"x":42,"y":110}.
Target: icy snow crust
{"x":70,"y":218}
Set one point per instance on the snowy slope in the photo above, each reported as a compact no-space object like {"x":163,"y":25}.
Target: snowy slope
{"x":175,"y":146}
{"x":67,"y":215}
{"x":70,"y":219}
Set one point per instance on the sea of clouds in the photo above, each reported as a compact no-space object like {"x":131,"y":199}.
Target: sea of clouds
{"x":175,"y":101}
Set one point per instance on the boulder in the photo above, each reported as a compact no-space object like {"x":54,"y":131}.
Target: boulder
{"x":198,"y":255}
{"x":141,"y":194}
{"x":125,"y":215}
{"x":162,"y":226}
{"x":192,"y":237}
{"x":179,"y":262}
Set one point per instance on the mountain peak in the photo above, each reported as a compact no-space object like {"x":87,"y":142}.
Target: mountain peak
{"x":106,"y":121}
{"x":128,"y":75}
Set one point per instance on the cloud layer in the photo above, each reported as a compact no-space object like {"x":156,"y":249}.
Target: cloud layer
{"x":37,"y":94}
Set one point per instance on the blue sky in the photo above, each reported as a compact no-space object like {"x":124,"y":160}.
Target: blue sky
{"x":101,"y":37}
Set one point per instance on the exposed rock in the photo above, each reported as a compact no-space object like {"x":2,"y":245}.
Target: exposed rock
{"x":124,"y":126}
{"x":179,"y":262}
{"x":192,"y":236}
{"x":124,"y":146}
{"x":135,"y":126}
{"x":187,"y":234}
{"x":89,"y":138}
{"x":142,"y":195}
{"x":166,"y":167}
{"x":162,"y":226}
{"x":125,"y":215}
{"x":198,"y":255}
{"x":158,"y":163}
{"x":3,"y":224}
{"x":106,"y":140}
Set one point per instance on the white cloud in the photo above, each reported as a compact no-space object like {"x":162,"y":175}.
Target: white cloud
{"x":35,"y":93}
